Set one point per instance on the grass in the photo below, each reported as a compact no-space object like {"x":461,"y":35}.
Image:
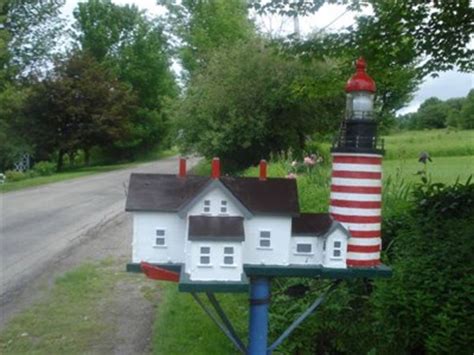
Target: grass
{"x":437,"y":142}
{"x":69,"y":322}
{"x":181,"y":327}
{"x":442,"y":169}
{"x":80,"y":172}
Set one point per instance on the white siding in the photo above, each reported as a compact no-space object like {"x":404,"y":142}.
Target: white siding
{"x":278,"y":252}
{"x":215,"y":196}
{"x":216,"y":270}
{"x":330,"y":260}
{"x":313,"y":258}
{"x":145,"y":225}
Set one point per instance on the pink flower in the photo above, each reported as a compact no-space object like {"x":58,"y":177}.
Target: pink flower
{"x":309,"y":161}
{"x":291,"y":176}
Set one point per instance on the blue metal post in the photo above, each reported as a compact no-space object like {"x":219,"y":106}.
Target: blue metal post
{"x":258,"y":320}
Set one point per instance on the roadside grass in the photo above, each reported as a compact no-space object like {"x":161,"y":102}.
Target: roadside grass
{"x":437,"y":142}
{"x":73,"y":173}
{"x":181,"y":327}
{"x":69,"y":321}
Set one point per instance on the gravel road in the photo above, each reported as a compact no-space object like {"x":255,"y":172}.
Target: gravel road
{"x":39,"y":226}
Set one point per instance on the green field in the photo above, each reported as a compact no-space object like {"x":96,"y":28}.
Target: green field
{"x":437,"y":142}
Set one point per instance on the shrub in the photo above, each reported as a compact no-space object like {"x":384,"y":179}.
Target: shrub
{"x":13,"y":175}
{"x":425,"y":307}
{"x":44,"y":168}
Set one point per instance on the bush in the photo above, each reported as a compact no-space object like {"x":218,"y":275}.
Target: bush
{"x":44,"y":168}
{"x":13,"y":175}
{"x":425,"y":307}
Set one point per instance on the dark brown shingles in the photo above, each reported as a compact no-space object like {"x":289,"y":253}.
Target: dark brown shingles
{"x":220,"y":228}
{"x":167,"y":193}
{"x":274,"y":196}
{"x":160,"y":192}
{"x":311,"y":224}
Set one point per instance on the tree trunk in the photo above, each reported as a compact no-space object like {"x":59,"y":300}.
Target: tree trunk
{"x":71,"y":158}
{"x":87,"y":156}
{"x":60,"y":162}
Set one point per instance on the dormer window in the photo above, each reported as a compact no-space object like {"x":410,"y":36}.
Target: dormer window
{"x":207,"y":206}
{"x":223,"y":206}
{"x":337,"y":249}
{"x":160,"y":238}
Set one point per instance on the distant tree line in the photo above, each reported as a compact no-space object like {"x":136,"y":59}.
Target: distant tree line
{"x":435,"y":113}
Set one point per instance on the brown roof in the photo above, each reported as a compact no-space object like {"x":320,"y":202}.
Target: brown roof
{"x":161,"y":193}
{"x":272,"y":196}
{"x":216,"y":228}
{"x":311,"y":224}
{"x":167,"y":193}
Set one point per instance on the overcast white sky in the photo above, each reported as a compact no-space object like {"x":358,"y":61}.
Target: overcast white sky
{"x":331,"y":17}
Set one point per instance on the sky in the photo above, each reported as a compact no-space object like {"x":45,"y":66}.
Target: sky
{"x":331,"y":18}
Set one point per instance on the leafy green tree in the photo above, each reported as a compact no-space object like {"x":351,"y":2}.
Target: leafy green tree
{"x":454,"y":107}
{"x":250,"y":102}
{"x":81,"y":106}
{"x":33,"y":30}
{"x":467,"y":112}
{"x":432,"y":113}
{"x":12,"y":144}
{"x":136,"y":49}
{"x":438,"y":32}
{"x":205,"y":26}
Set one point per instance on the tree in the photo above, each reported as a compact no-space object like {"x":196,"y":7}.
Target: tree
{"x":80,"y":106}
{"x":436,"y":32}
{"x":205,"y":26}
{"x":432,"y":114}
{"x":136,"y":49}
{"x":250,"y":102}
{"x":33,"y":30}
{"x":467,"y":112}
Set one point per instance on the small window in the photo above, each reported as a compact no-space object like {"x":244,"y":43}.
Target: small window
{"x":207,"y":206}
{"x":228,"y":255}
{"x":337,"y":252}
{"x":265,"y":239}
{"x":223,"y":206}
{"x":160,"y":237}
{"x":205,"y":257}
{"x":304,"y":248}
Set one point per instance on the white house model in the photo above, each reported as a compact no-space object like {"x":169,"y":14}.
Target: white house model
{"x":213,"y":226}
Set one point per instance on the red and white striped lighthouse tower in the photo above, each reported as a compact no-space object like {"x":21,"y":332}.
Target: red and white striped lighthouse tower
{"x":356,"y":185}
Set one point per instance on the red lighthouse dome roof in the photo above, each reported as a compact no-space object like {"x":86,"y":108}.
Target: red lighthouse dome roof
{"x":360,"y":81}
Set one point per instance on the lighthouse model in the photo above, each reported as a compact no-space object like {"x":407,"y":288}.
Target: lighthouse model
{"x":356,"y":184}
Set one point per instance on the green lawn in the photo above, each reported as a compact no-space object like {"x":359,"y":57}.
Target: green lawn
{"x":182,"y":327}
{"x":69,"y":321}
{"x":79,"y":172}
{"x":437,"y":142}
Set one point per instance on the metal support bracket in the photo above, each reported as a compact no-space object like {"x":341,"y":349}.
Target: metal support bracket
{"x":223,"y":323}
{"x":303,"y":316}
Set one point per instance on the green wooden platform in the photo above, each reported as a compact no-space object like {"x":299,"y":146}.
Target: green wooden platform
{"x":313,"y":271}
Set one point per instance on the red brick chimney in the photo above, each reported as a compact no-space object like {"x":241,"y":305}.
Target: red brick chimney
{"x":263,"y":170}
{"x":182,"y":167}
{"x":216,"y":168}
